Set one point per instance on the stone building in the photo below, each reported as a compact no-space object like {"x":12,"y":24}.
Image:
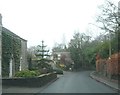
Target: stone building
{"x":0,"y":45}
{"x":10,"y":65}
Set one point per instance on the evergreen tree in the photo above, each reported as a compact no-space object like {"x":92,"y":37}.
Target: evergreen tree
{"x":42,"y":53}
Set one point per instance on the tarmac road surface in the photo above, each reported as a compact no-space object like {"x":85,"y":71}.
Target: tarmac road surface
{"x":77,"y":82}
{"x":69,"y":82}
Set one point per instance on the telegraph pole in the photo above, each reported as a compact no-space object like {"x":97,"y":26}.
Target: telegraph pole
{"x":109,"y":44}
{"x":118,"y":25}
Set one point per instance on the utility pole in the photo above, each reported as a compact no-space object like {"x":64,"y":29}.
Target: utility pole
{"x":109,"y":44}
{"x":118,"y":25}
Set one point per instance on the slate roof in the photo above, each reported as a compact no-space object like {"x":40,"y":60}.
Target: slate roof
{"x":8,"y":32}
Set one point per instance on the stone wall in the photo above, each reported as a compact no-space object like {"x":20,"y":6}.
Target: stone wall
{"x":30,"y":82}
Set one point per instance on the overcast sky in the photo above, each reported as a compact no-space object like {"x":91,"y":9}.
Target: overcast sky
{"x":49,"y":20}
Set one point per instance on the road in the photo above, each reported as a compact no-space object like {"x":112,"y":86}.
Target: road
{"x":77,"y":82}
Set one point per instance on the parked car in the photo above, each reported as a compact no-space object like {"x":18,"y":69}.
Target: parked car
{"x":58,"y":71}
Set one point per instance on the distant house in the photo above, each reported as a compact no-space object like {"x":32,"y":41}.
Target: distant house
{"x":63,"y":57}
{"x":13,"y":52}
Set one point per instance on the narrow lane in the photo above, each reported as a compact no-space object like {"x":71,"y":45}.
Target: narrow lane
{"x":77,"y":82}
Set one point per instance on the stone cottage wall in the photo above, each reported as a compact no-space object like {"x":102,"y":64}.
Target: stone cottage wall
{"x":0,"y":54}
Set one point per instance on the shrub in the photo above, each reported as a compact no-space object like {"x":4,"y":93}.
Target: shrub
{"x":27,"y":73}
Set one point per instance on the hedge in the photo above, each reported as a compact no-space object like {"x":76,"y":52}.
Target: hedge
{"x":109,"y":66}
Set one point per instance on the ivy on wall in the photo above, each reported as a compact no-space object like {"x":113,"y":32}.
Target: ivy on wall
{"x":11,"y":48}
{"x":16,"y":52}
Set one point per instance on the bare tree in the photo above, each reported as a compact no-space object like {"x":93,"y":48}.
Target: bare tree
{"x":110,"y":20}
{"x":109,"y":17}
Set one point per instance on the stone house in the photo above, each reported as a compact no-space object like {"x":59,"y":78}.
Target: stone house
{"x":63,"y":57}
{"x":10,"y":53}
